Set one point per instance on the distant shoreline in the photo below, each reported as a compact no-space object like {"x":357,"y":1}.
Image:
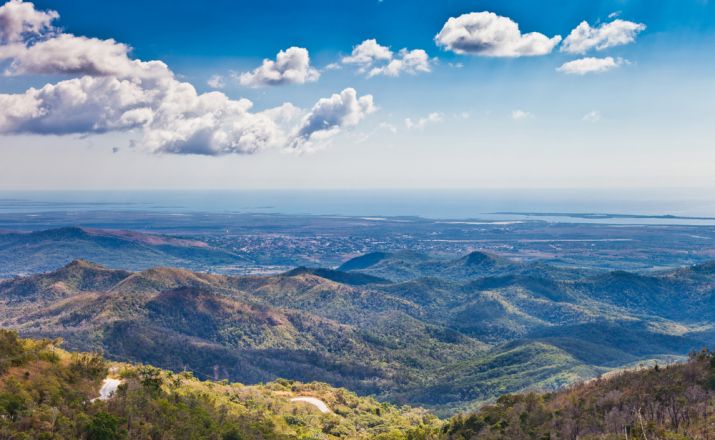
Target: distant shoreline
{"x":597,"y":216}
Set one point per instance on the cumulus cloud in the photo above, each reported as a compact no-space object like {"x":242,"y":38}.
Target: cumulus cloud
{"x":421,"y":123}
{"x":172,"y":115}
{"x":374,"y":59}
{"x":292,"y":66}
{"x":616,"y":33}
{"x":72,"y":55}
{"x":368,"y":52}
{"x":488,"y":34}
{"x":20,"y":21}
{"x":112,"y":92}
{"x":521,"y":115}
{"x":587,"y":65}
{"x":328,"y":117}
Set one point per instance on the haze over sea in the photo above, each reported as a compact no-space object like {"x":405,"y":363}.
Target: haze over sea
{"x":629,"y":206}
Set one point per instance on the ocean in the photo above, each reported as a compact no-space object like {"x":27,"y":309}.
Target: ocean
{"x":592,"y":206}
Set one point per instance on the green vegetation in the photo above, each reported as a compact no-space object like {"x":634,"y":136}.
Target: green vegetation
{"x":674,"y":402}
{"x":47,"y":393}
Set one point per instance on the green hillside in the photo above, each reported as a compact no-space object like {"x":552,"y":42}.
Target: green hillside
{"x":47,"y":393}
{"x":672,"y":402}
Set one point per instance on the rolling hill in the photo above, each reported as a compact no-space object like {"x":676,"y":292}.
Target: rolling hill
{"x":656,"y":402}
{"x":454,"y":334}
{"x":47,"y":392}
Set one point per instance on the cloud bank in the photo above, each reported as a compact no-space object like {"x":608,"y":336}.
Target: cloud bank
{"x":112,"y":92}
{"x":488,"y":34}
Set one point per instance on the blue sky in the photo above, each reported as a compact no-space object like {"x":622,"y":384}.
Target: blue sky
{"x":459,"y":120}
{"x":245,"y":29}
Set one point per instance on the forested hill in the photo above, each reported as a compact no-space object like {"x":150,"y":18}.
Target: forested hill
{"x":449,"y":335}
{"x":674,"y":402}
{"x":48,"y":393}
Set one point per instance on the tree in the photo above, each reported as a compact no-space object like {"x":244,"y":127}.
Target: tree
{"x":105,"y":426}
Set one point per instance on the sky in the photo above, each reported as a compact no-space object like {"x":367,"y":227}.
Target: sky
{"x":356,"y":94}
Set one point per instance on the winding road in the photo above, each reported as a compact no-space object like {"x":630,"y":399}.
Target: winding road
{"x":109,"y":387}
{"x":322,"y":407}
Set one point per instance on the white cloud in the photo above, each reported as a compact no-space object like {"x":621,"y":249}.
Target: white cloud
{"x":521,"y":115}
{"x":408,"y":61}
{"x":328,"y":117}
{"x":81,"y":105}
{"x":616,"y":33}
{"x":421,"y":123}
{"x":333,"y":66}
{"x":34,"y":46}
{"x":113,"y":92}
{"x":173,"y":116}
{"x":593,"y":116}
{"x":487,"y":34}
{"x":73,"y":55}
{"x":20,"y":21}
{"x":374,"y":59}
{"x":292,"y":66}
{"x":216,"y":82}
{"x":367,"y":53}
{"x":587,"y":65}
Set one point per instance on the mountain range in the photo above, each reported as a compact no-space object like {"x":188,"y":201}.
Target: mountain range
{"x":447,"y":334}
